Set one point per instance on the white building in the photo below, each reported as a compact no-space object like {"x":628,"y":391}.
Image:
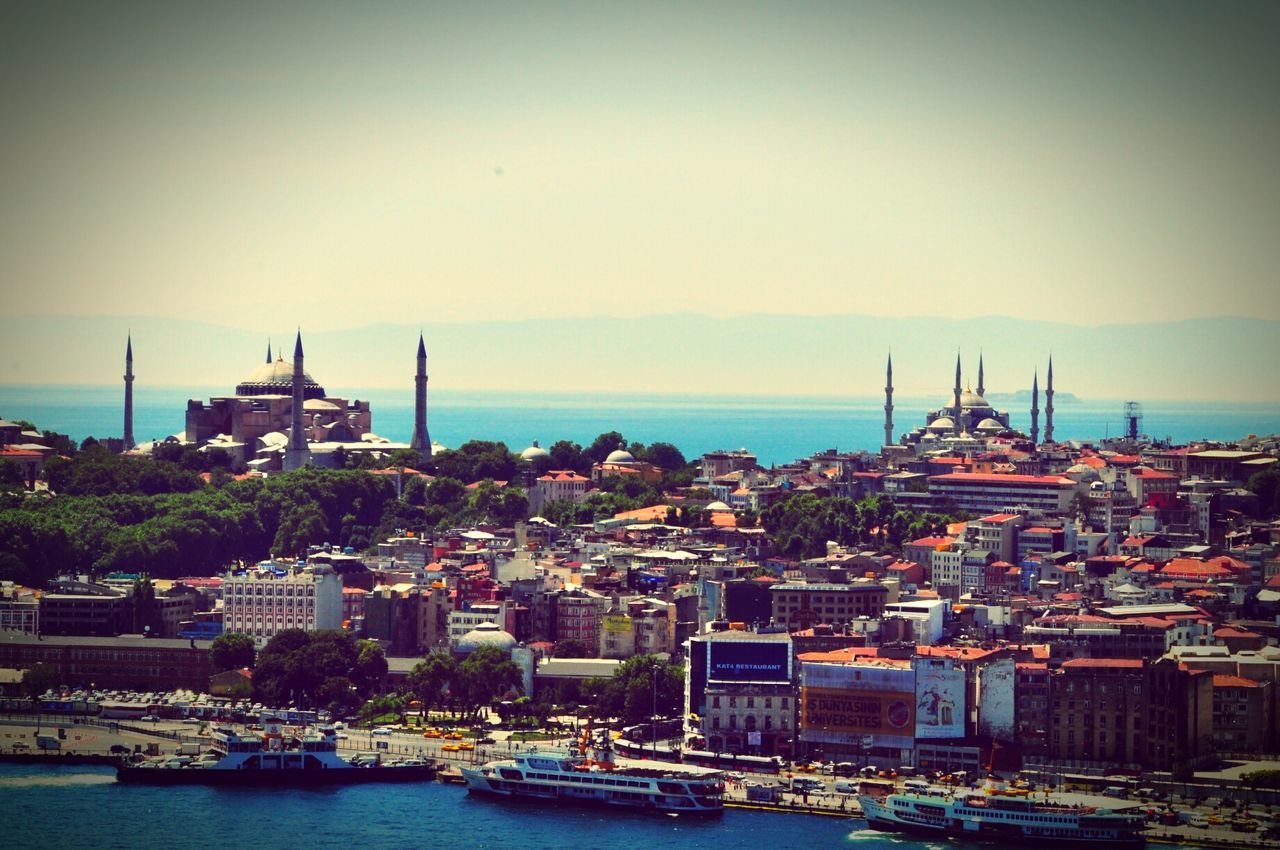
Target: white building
{"x":461,"y":622}
{"x":272,"y":598}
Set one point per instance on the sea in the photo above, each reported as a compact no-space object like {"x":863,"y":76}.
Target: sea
{"x":777,"y":429}
{"x":69,"y":808}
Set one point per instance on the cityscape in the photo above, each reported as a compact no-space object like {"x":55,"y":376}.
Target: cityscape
{"x":726,"y":426}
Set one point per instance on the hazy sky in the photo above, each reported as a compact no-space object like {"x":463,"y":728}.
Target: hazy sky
{"x":329,"y":165}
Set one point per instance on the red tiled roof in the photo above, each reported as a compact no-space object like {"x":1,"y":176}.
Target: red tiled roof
{"x":1223,"y":680}
{"x":1130,"y":663}
{"x":999,"y":518}
{"x":933,"y":541}
{"x":978,"y":477}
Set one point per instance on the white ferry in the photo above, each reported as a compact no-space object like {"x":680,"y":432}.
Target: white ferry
{"x":271,"y":758}
{"x":597,"y":779}
{"x":998,"y":817}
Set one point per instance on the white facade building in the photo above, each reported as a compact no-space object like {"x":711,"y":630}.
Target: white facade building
{"x":270,"y":599}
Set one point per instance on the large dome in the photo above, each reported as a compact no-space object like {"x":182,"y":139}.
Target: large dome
{"x":969,"y":398}
{"x":534,"y":452}
{"x":620,"y":456}
{"x":487,"y":634}
{"x":276,"y":378}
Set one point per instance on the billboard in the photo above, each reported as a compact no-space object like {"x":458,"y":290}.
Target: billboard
{"x":997,"y":717}
{"x":857,"y":712}
{"x":939,"y":699}
{"x":748,"y":661}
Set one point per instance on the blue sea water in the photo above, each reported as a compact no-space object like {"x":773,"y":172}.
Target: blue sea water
{"x":776,"y":429}
{"x":67,"y":808}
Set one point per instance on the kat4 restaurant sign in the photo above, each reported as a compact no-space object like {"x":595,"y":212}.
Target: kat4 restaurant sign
{"x":863,"y":712}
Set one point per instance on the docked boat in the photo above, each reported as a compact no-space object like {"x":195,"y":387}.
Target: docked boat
{"x":270,"y":758}
{"x":592,"y":776}
{"x":1001,"y":818}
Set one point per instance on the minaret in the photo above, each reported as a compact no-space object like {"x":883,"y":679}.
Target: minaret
{"x":268,"y":351}
{"x":1035,"y":409}
{"x":1048,"y":405}
{"x":981,"y":389}
{"x":955,"y":413}
{"x":888,"y":402}
{"x":298,"y":454}
{"x":421,"y":439}
{"x":128,"y":394}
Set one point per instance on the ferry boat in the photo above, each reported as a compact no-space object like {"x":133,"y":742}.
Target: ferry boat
{"x":591,"y":776}
{"x":997,"y":817}
{"x":270,"y":759}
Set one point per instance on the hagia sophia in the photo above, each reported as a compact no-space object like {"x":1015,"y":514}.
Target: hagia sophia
{"x":281,"y":418}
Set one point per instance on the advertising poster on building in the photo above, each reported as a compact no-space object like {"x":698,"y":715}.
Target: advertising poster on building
{"x":997,"y":715}
{"x":939,"y":700}
{"x":857,"y":712}
{"x":744,"y":661}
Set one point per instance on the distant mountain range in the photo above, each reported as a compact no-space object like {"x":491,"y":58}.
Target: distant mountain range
{"x":1216,"y":359}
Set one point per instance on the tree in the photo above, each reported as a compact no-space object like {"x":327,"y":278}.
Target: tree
{"x":431,"y":677}
{"x":485,"y":675}
{"x":640,"y":688}
{"x":370,"y":669}
{"x":666,"y":456}
{"x":603,"y":446}
{"x":1266,"y":486}
{"x":39,"y":678}
{"x":146,"y":614}
{"x":231,"y":651}
{"x":567,"y":455}
{"x":570,"y":648}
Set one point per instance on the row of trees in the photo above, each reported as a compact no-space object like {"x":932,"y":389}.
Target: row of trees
{"x":484,"y":677}
{"x":801,"y":525}
{"x":322,"y":669}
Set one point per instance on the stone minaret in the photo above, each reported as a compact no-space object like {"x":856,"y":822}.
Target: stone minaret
{"x":128,"y":394}
{"x":1035,"y":409}
{"x":268,"y":351}
{"x":421,"y":439}
{"x":298,"y":454}
{"x":955,"y":413}
{"x":982,"y":391}
{"x":1048,"y":405}
{"x":888,"y":402}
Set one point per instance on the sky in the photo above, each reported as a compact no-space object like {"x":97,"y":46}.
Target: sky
{"x":334,"y":165}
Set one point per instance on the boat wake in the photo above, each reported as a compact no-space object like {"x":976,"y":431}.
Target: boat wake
{"x":55,"y":781}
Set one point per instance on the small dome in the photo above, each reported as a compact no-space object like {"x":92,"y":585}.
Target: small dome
{"x":315,"y":404}
{"x":718,"y":506}
{"x":534,"y":452}
{"x":487,"y":634}
{"x":620,"y":456}
{"x":942,"y":423}
{"x":990,"y":424}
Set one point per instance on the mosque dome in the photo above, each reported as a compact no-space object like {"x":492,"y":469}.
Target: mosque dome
{"x":942,"y":423}
{"x":534,"y":452}
{"x":620,"y":455}
{"x":718,"y":506}
{"x":487,"y":634}
{"x":276,"y":378}
{"x":969,"y":398}
{"x":989,"y":424}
